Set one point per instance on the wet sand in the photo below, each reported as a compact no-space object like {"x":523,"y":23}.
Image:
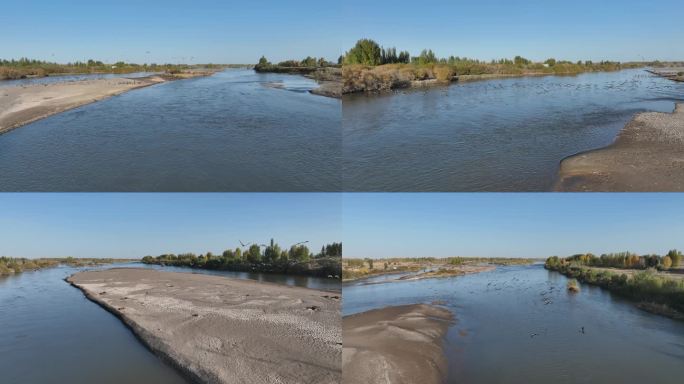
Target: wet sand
{"x":647,"y":156}
{"x":22,"y":105}
{"x":401,"y":344}
{"x":221,"y":330}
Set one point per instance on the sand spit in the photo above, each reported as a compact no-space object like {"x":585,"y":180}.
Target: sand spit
{"x":647,"y":156}
{"x":221,"y":330}
{"x":672,"y":73}
{"x":22,"y":105}
{"x":394,"y":345}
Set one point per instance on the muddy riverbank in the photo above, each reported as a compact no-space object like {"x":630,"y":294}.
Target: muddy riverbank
{"x":271,"y":333}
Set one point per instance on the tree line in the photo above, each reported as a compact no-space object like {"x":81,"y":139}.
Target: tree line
{"x":309,"y":62}
{"x":367,"y":52}
{"x":625,"y":260}
{"x":297,"y":259}
{"x":24,"y":67}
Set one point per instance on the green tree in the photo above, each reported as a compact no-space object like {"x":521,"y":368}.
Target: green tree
{"x":253,"y":254}
{"x":365,"y":52}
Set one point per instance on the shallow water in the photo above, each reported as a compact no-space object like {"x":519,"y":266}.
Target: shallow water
{"x":234,"y":131}
{"x":50,"y":333}
{"x":506,"y":333}
{"x":496,"y":135}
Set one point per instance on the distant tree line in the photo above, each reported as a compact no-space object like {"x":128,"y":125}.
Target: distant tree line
{"x":271,"y":258}
{"x":24,"y":67}
{"x":12,"y":265}
{"x":309,"y":62}
{"x":625,"y":260}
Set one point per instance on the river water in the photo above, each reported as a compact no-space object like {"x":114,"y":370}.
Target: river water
{"x":234,"y":131}
{"x":496,"y":135}
{"x":518,"y":324}
{"x":51,"y":334}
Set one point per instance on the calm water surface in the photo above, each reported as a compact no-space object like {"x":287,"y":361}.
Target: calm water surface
{"x":51,"y":334}
{"x":234,"y":131}
{"x":505,"y":332}
{"x":498,"y":135}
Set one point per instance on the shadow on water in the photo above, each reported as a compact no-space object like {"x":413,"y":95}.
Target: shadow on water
{"x":522,"y":321}
{"x":495,"y":135}
{"x":51,"y":334}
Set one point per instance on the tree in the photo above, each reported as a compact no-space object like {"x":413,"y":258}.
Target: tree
{"x":667,"y":262}
{"x":264,"y":61}
{"x":299,"y":253}
{"x":550,"y":62}
{"x":309,"y":62}
{"x":676,"y":257}
{"x":426,"y":57}
{"x":272,"y":252}
{"x":253,"y":254}
{"x":370,"y":263}
{"x":365,"y":52}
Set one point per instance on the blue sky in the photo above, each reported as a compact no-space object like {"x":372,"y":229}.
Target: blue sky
{"x":135,"y":225}
{"x":485,"y":29}
{"x":219,"y":31}
{"x":510,"y":224}
{"x":230,"y":31}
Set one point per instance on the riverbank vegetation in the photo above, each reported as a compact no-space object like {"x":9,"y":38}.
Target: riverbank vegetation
{"x":307,"y":65}
{"x":369,"y":67}
{"x":12,"y":265}
{"x":650,"y":288}
{"x":624,"y":260}
{"x":268,"y":258}
{"x":23,"y":68}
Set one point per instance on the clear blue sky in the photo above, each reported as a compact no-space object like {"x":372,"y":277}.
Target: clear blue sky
{"x":510,"y":224}
{"x":135,"y":225}
{"x":219,"y":31}
{"x":485,"y":29}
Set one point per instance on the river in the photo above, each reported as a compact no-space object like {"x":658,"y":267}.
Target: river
{"x":494,"y":135}
{"x":234,"y":131}
{"x":518,"y":324}
{"x":50,"y":333}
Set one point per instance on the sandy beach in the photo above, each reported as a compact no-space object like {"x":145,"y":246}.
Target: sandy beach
{"x":394,"y":345}
{"x":647,"y":156}
{"x":221,"y":330}
{"x":22,"y":105}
